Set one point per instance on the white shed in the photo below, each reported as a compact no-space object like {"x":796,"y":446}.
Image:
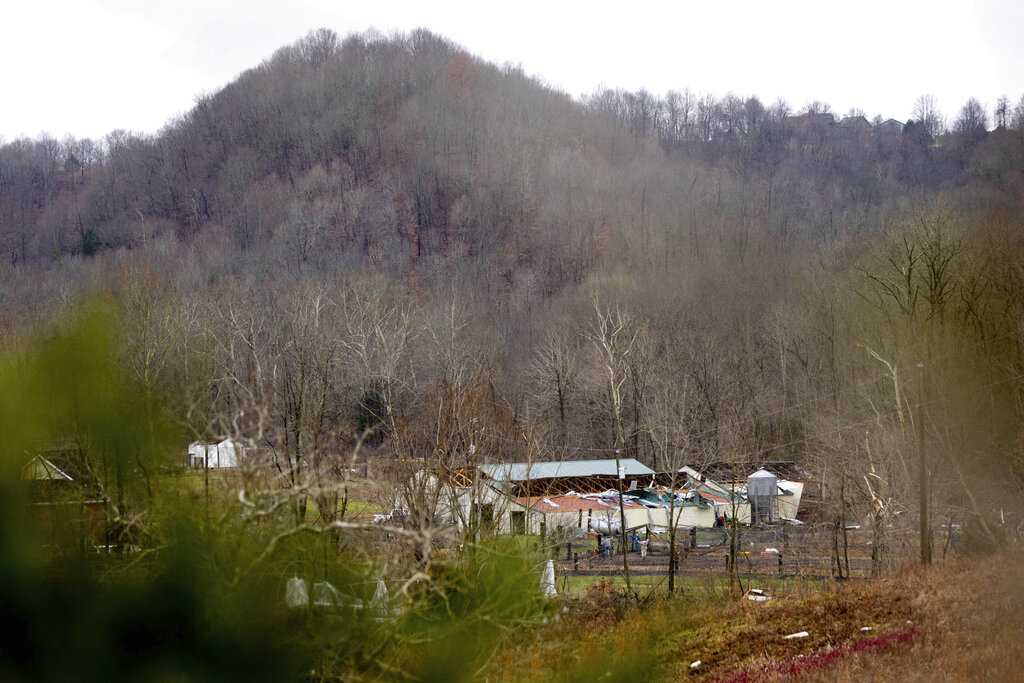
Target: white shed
{"x":213,"y":455}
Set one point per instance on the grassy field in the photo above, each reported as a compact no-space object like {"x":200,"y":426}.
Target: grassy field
{"x":223,"y":496}
{"x":648,"y":586}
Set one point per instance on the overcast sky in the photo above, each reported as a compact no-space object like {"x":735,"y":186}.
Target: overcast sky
{"x":86,"y":67}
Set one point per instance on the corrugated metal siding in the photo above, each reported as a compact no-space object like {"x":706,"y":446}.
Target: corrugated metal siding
{"x":521,"y":471}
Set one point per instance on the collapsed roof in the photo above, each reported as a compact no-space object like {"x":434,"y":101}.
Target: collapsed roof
{"x":526,"y":471}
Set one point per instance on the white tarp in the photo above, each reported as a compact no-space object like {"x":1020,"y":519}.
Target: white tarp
{"x":326,"y":595}
{"x":380,"y":594}
{"x":295,"y":594}
{"x":213,"y":455}
{"x":547,"y":580}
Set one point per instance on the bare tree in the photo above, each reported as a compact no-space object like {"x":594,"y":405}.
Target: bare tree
{"x":1002,"y":112}
{"x":972,"y":121}
{"x":614,"y":335}
{"x":555,"y":374}
{"x":669,"y":415}
{"x":927,"y":113}
{"x":1017,"y":122}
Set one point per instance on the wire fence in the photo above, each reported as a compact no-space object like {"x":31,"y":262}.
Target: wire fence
{"x":812,"y":551}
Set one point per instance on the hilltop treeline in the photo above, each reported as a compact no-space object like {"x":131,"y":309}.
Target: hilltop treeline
{"x":391,"y":238}
{"x":429,"y":151}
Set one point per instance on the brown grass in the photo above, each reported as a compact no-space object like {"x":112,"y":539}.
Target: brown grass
{"x":971,"y":617}
{"x":963,"y":621}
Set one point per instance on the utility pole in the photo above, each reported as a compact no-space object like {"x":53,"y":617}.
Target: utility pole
{"x":622,"y":523}
{"x":922,"y":472}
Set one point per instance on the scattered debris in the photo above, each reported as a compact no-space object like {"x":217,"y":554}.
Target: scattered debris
{"x":757,"y":595}
{"x":695,"y":665}
{"x":866,"y":629}
{"x":798,"y":634}
{"x":820,"y":659}
{"x":771,"y":551}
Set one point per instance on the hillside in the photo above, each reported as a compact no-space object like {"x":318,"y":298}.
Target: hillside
{"x":406,"y":150}
{"x":382,"y":280}
{"x":425,"y":229}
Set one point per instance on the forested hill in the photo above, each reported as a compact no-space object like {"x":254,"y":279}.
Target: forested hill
{"x":401,"y":151}
{"x":427,"y":229}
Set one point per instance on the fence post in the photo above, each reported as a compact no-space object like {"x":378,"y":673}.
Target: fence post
{"x":783,"y":547}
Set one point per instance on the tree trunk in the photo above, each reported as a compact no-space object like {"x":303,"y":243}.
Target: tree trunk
{"x":622,"y":527}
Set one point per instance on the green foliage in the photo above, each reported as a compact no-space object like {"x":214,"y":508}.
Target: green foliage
{"x":68,"y":388}
{"x":470,"y":606}
{"x":153,"y":615}
{"x":200,"y":597}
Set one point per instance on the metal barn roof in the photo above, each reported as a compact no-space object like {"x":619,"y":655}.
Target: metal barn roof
{"x":523,"y":471}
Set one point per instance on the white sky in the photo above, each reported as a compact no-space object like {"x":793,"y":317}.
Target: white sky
{"x":86,"y":67}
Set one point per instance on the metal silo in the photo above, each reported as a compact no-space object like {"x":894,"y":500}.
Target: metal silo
{"x":763,"y":493}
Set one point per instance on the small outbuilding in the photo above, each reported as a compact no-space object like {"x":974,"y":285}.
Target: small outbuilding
{"x":213,"y":455}
{"x":64,"y":498}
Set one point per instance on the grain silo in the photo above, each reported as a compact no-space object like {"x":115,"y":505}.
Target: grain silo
{"x":763,"y":494}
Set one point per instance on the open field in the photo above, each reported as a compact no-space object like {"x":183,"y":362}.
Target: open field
{"x":224,"y":484}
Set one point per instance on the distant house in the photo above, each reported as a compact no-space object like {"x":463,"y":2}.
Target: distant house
{"x":41,"y":470}
{"x":59,"y":475}
{"x":890,"y":127}
{"x":64,"y":497}
{"x":855,"y":125}
{"x":213,"y":455}
{"x":811,"y":119}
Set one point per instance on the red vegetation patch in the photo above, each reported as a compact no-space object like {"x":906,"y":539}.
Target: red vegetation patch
{"x":820,"y":659}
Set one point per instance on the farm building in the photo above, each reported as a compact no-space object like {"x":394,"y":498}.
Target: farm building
{"x":556,"y":514}
{"x":720,"y":479}
{"x":562,"y":476}
{"x":496,"y":495}
{"x":213,"y":455}
{"x":599,"y":512}
{"x":582,"y":496}
{"x":64,"y":497}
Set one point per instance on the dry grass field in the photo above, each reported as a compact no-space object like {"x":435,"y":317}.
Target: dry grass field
{"x":963,"y":621}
